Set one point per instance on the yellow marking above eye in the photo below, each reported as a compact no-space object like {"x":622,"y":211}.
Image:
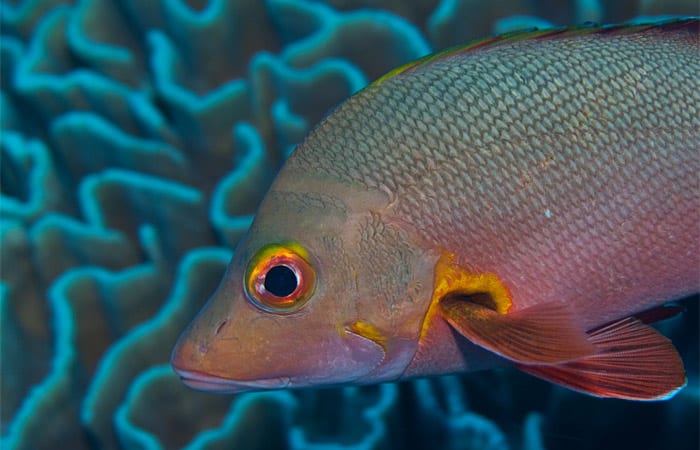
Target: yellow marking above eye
{"x":280,"y":278}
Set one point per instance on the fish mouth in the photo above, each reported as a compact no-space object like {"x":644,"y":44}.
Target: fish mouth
{"x":210,"y":383}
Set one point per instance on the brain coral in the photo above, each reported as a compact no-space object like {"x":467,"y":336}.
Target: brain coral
{"x":137,"y":140}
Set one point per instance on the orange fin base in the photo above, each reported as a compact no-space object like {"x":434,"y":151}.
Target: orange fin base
{"x":633,"y":361}
{"x":541,"y":334}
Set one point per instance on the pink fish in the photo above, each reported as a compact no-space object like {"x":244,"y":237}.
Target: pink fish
{"x":528,"y":200}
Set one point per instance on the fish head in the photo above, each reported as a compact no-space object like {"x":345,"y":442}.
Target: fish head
{"x":321,"y":291}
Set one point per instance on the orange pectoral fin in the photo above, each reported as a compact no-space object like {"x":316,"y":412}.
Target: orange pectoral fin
{"x":633,"y":362}
{"x":541,"y":334}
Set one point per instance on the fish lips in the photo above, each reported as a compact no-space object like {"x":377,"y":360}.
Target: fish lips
{"x":357,"y":357}
{"x":210,"y":383}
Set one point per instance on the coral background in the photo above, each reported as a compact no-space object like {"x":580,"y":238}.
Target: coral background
{"x":137,"y":138}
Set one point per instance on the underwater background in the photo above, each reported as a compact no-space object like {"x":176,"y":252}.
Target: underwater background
{"x":137,"y":138}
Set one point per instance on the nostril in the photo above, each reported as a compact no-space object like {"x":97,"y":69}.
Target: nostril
{"x":220,"y":327}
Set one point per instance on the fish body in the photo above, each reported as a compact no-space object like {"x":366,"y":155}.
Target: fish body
{"x":517,"y":201}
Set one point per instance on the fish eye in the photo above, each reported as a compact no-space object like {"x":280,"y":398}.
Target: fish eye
{"x":280,"y":278}
{"x":281,"y":281}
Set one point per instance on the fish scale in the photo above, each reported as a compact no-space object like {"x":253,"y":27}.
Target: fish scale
{"x":496,"y":190}
{"x":528,"y":200}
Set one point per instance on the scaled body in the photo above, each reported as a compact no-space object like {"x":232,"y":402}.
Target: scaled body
{"x":547,"y":183}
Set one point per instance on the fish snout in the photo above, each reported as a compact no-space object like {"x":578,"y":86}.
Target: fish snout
{"x":187,"y":355}
{"x":189,"y":361}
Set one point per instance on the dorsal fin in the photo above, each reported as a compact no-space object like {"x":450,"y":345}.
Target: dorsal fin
{"x":691,"y":25}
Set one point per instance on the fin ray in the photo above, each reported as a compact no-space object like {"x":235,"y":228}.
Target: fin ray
{"x":541,"y":334}
{"x":633,"y":362}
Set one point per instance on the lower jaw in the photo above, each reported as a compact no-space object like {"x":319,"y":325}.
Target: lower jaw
{"x":210,"y":383}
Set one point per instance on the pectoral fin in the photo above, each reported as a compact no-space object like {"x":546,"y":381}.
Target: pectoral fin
{"x":633,"y":361}
{"x":541,"y":334}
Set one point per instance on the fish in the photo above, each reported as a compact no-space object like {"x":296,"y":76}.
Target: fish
{"x":528,"y":200}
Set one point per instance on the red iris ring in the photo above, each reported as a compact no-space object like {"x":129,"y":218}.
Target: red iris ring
{"x":274,"y":256}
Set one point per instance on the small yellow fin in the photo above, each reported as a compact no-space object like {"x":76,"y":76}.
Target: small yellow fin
{"x":368,"y":331}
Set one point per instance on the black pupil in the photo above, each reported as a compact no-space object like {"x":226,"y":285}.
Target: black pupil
{"x":280,"y":281}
